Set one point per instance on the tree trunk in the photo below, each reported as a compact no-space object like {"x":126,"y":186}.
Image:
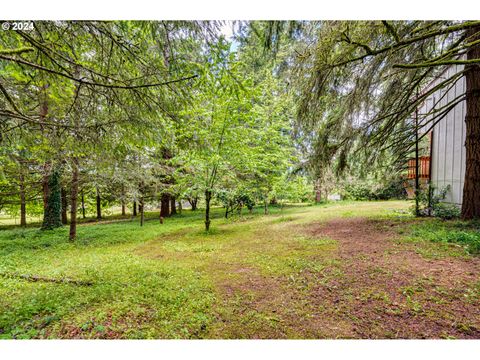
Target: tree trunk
{"x":134,"y":208}
{"x":160,"y":213}
{"x":208,"y":196}
{"x":52,"y":217}
{"x":193,"y":203}
{"x":142,"y":212}
{"x":165,"y":206}
{"x":123,"y":200}
{"x":180,"y":206}
{"x":74,"y":185}
{"x":23,"y":203}
{"x":64,"y":206}
{"x":83,"y":205}
{"x":45,"y":189}
{"x":173,"y":208}
{"x":226,"y":212}
{"x":73,"y":201}
{"x":471,"y":188}
{"x":46,"y":167}
{"x":318,"y":191}
{"x":265,"y":206}
{"x":99,"y":205}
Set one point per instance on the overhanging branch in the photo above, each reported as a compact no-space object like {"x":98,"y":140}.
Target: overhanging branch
{"x":437,"y":63}
{"x":86,"y":82}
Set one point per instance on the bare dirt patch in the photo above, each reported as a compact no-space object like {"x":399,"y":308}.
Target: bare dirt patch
{"x":387,"y":290}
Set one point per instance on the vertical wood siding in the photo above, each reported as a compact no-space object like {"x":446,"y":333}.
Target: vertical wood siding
{"x":448,"y":150}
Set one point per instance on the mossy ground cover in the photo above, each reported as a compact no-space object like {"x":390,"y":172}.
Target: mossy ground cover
{"x":285,"y":275}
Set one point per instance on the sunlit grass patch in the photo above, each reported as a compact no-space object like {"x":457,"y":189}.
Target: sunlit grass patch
{"x":190,"y":247}
{"x":121,"y":281}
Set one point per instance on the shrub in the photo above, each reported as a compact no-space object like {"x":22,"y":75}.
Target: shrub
{"x":392,"y":190}
{"x":446,"y":211}
{"x":431,"y":203}
{"x":374,"y":190}
{"x":235,"y":200}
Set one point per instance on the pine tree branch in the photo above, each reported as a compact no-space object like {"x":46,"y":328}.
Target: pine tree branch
{"x":86,"y":82}
{"x":19,"y":50}
{"x":9,"y":99}
{"x":347,"y":39}
{"x":450,"y":29}
{"x":436,"y":63}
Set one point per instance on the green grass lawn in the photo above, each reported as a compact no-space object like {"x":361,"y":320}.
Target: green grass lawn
{"x":173,"y":280}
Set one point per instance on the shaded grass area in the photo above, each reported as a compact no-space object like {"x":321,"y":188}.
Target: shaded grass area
{"x":129,"y":292}
{"x":133,"y":296}
{"x":251,"y":276}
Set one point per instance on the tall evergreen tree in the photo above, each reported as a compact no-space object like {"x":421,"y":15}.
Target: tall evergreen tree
{"x":53,"y":212}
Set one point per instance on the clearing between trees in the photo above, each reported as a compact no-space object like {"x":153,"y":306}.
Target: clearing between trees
{"x":339,"y":270}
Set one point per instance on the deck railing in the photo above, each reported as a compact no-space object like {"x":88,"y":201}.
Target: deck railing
{"x":423,"y":168}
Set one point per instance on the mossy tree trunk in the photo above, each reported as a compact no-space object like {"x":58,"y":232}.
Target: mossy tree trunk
{"x":64,"y":206}
{"x":45,"y":189}
{"x":52,"y":217}
{"x":73,"y":201}
{"x":23,"y":207}
{"x":75,"y":177}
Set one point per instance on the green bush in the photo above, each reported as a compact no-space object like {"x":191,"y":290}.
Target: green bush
{"x":358,"y":192}
{"x":235,"y":199}
{"x":431,"y":203}
{"x":374,"y":190}
{"x":446,"y":211}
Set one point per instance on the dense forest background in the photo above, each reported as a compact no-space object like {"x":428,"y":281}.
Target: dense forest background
{"x":161,"y":114}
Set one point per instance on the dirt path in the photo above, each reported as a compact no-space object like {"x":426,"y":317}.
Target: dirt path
{"x":372,"y":286}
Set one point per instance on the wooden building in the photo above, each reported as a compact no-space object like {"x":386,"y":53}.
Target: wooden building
{"x":447,"y":138}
